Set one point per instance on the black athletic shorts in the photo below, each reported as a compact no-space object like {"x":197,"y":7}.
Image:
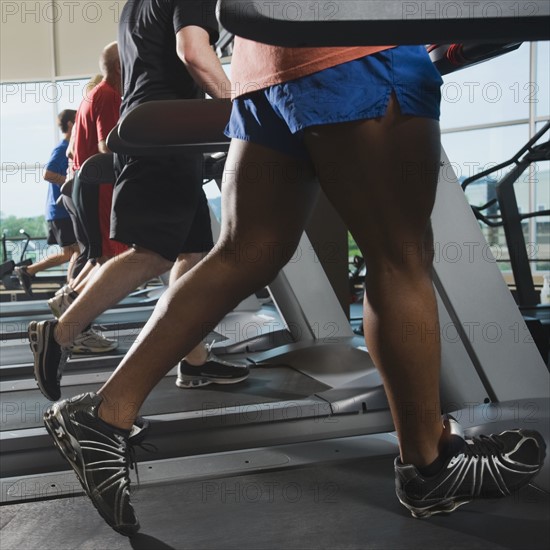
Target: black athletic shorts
{"x":80,"y":234}
{"x":159,"y":204}
{"x":86,"y":202}
{"x":61,"y":232}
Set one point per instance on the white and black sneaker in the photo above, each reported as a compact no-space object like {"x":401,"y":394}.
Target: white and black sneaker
{"x":49,"y":358}
{"x":100,"y":454}
{"x":484,"y":467}
{"x":62,"y":300}
{"x":65,"y":289}
{"x":213,"y":371}
{"x":92,"y":341}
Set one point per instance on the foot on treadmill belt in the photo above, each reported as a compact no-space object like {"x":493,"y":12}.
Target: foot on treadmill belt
{"x":49,"y":358}
{"x":213,"y":371}
{"x":487,"y":467}
{"x":92,"y":341}
{"x":100,"y":454}
{"x":25,"y":278}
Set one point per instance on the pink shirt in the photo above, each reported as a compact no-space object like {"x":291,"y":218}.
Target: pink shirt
{"x":257,"y":66}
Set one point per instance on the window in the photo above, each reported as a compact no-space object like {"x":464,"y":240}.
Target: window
{"x":543,"y":79}
{"x":490,"y":92}
{"x":26,"y":141}
{"x":28,"y":134}
{"x":474,"y":151}
{"x":488,"y":113}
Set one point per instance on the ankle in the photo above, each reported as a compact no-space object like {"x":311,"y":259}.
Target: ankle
{"x":421,"y":458}
{"x":116,"y":415}
{"x":443,"y":445}
{"x":422,"y":450}
{"x":58,"y":335}
{"x":452,"y":438}
{"x":197,"y":357}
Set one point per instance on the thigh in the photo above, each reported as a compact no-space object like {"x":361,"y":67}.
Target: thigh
{"x":381,"y":176}
{"x":267,"y":197}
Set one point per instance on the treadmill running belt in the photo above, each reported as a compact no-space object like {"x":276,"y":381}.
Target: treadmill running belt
{"x":265,"y":385}
{"x":347,"y":504}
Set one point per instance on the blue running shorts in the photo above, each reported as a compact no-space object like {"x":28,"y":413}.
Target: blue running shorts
{"x":357,"y":90}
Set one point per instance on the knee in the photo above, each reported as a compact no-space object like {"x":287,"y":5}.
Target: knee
{"x":403,"y":265}
{"x":154,"y":263}
{"x":67,"y":253}
{"x":189,"y":259}
{"x":401,"y":252}
{"x":416,"y":256}
{"x":257,"y":262}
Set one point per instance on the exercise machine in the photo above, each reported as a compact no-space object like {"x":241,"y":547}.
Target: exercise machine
{"x":9,"y":279}
{"x":499,"y":375}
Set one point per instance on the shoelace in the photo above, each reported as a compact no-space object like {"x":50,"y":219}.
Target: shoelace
{"x":209,"y":347}
{"x":209,"y":353}
{"x":211,"y":356}
{"x":131,"y":458}
{"x":94,"y":331}
{"x":483,"y":446}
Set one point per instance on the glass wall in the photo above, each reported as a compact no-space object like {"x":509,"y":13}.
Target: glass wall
{"x":489,"y":112}
{"x":28,"y":134}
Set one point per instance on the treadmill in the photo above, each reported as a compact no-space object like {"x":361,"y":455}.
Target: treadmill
{"x":319,"y":465}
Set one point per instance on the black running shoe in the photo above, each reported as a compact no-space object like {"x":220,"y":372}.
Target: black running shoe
{"x":99,"y":454}
{"x":49,"y":358}
{"x":487,"y":467}
{"x":213,"y":371}
{"x":25,"y":278}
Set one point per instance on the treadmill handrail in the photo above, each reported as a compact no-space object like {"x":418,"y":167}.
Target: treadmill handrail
{"x":528,"y":148}
{"x":176,"y":122}
{"x":377,"y":22}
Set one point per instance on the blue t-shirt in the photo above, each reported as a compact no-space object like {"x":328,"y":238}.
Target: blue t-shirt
{"x":58,"y":163}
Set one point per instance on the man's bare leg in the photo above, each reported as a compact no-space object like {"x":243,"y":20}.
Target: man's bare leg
{"x":381,"y":176}
{"x":53,"y":260}
{"x":75,"y":253}
{"x":79,"y":282}
{"x":185,"y":262}
{"x":114,"y":281}
{"x":260,"y":206}
{"x":88,"y":273}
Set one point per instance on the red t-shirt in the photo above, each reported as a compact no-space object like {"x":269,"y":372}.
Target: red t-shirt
{"x":97,"y":115}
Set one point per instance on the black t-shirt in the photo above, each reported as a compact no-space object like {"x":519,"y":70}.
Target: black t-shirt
{"x":151,"y":68}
